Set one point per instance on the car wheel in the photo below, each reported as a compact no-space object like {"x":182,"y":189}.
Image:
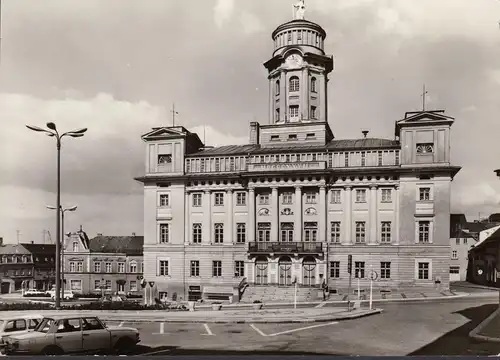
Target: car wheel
{"x":52,"y":350}
{"x":123,"y":346}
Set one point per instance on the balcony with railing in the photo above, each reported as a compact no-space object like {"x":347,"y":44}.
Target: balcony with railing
{"x":285,"y":247}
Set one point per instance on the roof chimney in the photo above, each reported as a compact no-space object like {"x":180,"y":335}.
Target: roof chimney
{"x":99,"y":234}
{"x":32,"y":242}
{"x":1,"y":241}
{"x":133,"y":234}
{"x":365,"y":132}
{"x":81,"y":228}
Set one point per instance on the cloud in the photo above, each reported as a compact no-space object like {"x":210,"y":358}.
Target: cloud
{"x":251,"y":23}
{"x":222,"y":11}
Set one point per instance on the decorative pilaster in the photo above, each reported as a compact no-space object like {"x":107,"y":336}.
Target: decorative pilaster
{"x":297,"y":231}
{"x":207,"y":217}
{"x":274,"y":214}
{"x":347,"y":215}
{"x":283,"y":96}
{"x":251,"y":214}
{"x":304,"y":95}
{"x":373,"y":216}
{"x":322,"y":214}
{"x":230,"y":219}
{"x":187,"y":220}
{"x":395,"y":238}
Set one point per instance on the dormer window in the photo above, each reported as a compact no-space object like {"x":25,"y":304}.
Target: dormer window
{"x":164,"y":159}
{"x":292,"y":137}
{"x":425,"y":148}
{"x":310,"y":136}
{"x":275,"y":138}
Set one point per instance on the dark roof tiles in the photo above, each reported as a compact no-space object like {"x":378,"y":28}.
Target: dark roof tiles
{"x":368,"y":143}
{"x":129,"y":245}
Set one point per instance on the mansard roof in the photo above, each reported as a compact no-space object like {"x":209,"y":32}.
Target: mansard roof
{"x":40,"y":249}
{"x":129,"y":245}
{"x":336,"y":145}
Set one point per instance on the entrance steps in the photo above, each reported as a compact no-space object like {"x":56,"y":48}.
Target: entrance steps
{"x":275,"y":293}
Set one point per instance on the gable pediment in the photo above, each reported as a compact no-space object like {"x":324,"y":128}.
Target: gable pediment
{"x":165,"y":132}
{"x":425,"y":117}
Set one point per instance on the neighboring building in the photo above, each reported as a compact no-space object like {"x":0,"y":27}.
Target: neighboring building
{"x":44,"y":273}
{"x":460,"y":243}
{"x":484,"y":259}
{"x":295,"y":202}
{"x":113,"y":262}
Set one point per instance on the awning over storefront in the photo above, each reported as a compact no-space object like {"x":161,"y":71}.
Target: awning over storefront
{"x":218,"y":290}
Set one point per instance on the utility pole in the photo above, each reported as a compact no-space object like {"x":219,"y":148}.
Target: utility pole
{"x":173,"y":114}
{"x":18,"y":232}
{"x":424,"y":93}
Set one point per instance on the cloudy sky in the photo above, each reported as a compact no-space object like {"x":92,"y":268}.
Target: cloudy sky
{"x":116,"y":66}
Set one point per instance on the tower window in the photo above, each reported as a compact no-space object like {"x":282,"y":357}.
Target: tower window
{"x":277,"y":90}
{"x":313,"y":112}
{"x":294,"y":83}
{"x":277,"y":114}
{"x":294,"y":111}
{"x":313,"y":84}
{"x":289,"y":36}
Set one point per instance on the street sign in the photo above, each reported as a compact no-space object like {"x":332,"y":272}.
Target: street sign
{"x":143,"y":283}
{"x":349,"y":264}
{"x":373,"y":275}
{"x":151,"y":283}
{"x":140,"y":277}
{"x":480,"y":272}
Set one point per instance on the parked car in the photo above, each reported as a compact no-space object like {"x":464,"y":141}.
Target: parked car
{"x":58,"y":335}
{"x":34,"y":292}
{"x":15,"y":325}
{"x":68,"y":294}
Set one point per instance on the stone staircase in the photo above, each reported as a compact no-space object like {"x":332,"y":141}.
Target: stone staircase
{"x":276,"y":294}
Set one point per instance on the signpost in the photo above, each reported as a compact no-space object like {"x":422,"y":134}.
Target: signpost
{"x":349,"y":270}
{"x":143,"y":285}
{"x":373,"y":277}
{"x":295,"y":293}
{"x":151,"y":293}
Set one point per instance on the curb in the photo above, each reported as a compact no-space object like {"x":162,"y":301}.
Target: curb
{"x":475,"y":332}
{"x":254,"y":321}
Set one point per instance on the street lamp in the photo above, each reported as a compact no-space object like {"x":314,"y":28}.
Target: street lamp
{"x":52,"y":132}
{"x":73,"y":208}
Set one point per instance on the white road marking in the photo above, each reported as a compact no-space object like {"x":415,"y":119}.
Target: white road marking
{"x":121,"y":324}
{"x":304,"y":328}
{"x":257,"y":329}
{"x":320,"y":305}
{"x":209,"y":332}
{"x":155,"y":352}
{"x":162,"y":328}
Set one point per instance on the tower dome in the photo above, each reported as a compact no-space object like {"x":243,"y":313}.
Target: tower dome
{"x":304,"y":34}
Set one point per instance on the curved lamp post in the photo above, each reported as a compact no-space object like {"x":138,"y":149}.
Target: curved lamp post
{"x":52,"y":132}
{"x":73,"y":208}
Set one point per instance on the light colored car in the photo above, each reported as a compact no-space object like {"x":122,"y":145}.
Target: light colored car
{"x":68,"y":294}
{"x":57,"y":335}
{"x":15,"y":325}
{"x":34,"y":292}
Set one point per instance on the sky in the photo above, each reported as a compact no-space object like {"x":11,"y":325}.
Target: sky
{"x":116,"y":67}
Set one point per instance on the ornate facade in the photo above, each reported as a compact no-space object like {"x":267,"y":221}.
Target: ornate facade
{"x":295,"y":201}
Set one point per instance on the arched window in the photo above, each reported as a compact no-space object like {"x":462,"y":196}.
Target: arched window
{"x":277,"y":90}
{"x":313,"y":84}
{"x":294,"y":83}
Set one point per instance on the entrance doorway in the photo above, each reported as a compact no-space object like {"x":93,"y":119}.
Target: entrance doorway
{"x":261,"y":266}
{"x":285,"y":271}
{"x":309,"y":271}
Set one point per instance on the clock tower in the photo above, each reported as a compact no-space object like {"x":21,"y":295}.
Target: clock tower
{"x":298,"y":73}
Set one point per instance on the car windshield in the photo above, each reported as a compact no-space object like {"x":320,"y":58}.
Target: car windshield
{"x":44,"y":325}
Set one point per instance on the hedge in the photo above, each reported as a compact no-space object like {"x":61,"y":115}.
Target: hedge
{"x":88,"y":296}
{"x":95,"y":305}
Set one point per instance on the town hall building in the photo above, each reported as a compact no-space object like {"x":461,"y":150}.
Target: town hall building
{"x":294,"y":202}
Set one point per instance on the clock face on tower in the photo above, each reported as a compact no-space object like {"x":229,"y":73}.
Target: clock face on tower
{"x":294,"y":60}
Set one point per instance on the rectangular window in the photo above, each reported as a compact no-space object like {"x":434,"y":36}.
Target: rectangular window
{"x":164,"y":233}
{"x":75,"y":246}
{"x":121,"y":267}
{"x":164,"y":200}
{"x":454,"y":254}
{"x":264,"y":232}
{"x":363,"y":158}
{"x":424,"y":194}
{"x":361,"y":195}
{"x":380,"y":158}
{"x":457,"y":241}
{"x":219,"y":233}
{"x":454,"y":269}
{"x":292,"y":137}
{"x":108,"y":285}
{"x":216,"y":268}
{"x":239,"y":268}
{"x":336,"y":197}
{"x":310,"y":198}
{"x":241,"y":233}
{"x":133,"y":285}
{"x":385,"y":232}
{"x":97,"y":267}
{"x":197,"y":230}
{"x":195,"y":268}
{"x":359,"y":269}
{"x":219,"y":199}
{"x":97,"y":284}
{"x":335,"y":232}
{"x":286,"y":232}
{"x":133,"y":267}
{"x":163,"y":268}
{"x":277,"y":113}
{"x":264,"y":199}
{"x":72,"y":267}
{"x":75,"y":285}
{"x":385,"y":270}
{"x":346,"y":159}
{"x":287,"y":198}
{"x":313,"y":112}
{"x":241,"y":199}
{"x":79,"y":266}
{"x":397,"y":157}
{"x":294,"y":110}
{"x":423,"y":231}
{"x":196,"y":200}
{"x":310,"y":231}
{"x":423,"y":271}
{"x":335,"y":269}
{"x":108,"y":267}
{"x":360,"y":232}
{"x":386,"y":195}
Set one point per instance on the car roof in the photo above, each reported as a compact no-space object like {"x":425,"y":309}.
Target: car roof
{"x":15,"y":317}
{"x":69,"y":316}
